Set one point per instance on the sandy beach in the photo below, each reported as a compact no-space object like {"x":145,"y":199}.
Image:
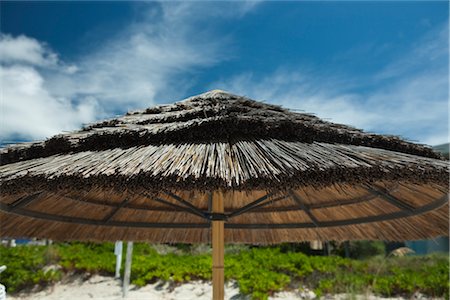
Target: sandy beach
{"x":102,"y":287}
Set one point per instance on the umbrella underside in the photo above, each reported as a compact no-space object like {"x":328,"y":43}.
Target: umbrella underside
{"x":382,"y":210}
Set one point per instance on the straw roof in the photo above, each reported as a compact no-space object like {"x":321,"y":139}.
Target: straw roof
{"x":285,"y":176}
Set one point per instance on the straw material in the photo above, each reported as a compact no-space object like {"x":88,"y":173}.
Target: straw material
{"x":212,"y":116}
{"x":150,"y":175}
{"x":244,"y":165}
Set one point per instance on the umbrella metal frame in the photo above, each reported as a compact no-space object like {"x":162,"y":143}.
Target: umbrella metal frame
{"x":406,"y":210}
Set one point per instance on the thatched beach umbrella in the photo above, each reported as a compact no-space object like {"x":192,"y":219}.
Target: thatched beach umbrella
{"x":184,"y":172}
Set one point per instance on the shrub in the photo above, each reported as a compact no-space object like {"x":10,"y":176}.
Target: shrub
{"x":25,"y":268}
{"x":259,"y":271}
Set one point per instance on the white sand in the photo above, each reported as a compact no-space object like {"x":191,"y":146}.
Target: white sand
{"x":101,"y":287}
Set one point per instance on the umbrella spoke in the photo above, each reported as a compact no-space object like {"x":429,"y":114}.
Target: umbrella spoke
{"x":168,"y":206}
{"x":23,"y":201}
{"x":173,"y":205}
{"x":331,"y":203}
{"x":365,"y":198}
{"x":304,"y":207}
{"x":391,"y":199}
{"x":385,"y":217}
{"x":249,"y":206}
{"x":261,"y":205}
{"x":115,"y":210}
{"x":188,"y":205}
{"x":86,"y":221}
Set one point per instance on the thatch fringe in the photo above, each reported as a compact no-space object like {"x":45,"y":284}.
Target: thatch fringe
{"x":245,"y":165}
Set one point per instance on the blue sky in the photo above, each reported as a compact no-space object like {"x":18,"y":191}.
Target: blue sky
{"x":379,"y":66}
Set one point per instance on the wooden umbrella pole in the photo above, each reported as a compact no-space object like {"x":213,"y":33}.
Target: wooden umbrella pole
{"x":218,"y":250}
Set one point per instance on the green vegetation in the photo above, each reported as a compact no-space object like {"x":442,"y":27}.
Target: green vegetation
{"x":258,"y":271}
{"x":26,"y":267}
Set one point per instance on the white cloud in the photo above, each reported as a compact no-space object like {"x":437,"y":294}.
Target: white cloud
{"x":25,"y":50}
{"x":153,"y":57}
{"x":413,"y":103}
{"x":29,"y":110}
{"x":42,"y":95}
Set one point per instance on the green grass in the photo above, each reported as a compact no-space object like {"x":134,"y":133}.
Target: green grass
{"x":258,"y":271}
